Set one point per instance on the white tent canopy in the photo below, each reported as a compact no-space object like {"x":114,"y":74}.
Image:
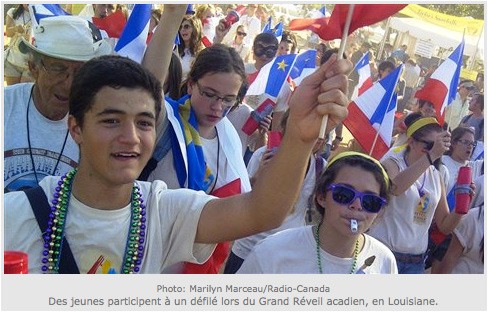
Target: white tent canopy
{"x":439,"y":36}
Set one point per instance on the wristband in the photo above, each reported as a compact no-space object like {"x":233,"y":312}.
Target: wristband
{"x":338,"y":138}
{"x":428,"y":158}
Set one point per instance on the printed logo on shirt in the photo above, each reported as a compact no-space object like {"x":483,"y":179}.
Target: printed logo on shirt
{"x":18,"y":170}
{"x":420,"y":213}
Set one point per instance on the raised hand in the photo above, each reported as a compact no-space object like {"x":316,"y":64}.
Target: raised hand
{"x":323,"y":92}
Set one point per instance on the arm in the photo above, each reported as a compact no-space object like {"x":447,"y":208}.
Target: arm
{"x":259,"y":137}
{"x":272,"y":197}
{"x":451,"y":257}
{"x":158,"y":53}
{"x":403,"y":180}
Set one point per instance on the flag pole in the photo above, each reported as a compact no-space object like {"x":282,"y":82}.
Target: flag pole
{"x":325,"y":118}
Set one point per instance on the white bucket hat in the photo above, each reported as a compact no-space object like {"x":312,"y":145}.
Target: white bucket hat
{"x":68,"y":37}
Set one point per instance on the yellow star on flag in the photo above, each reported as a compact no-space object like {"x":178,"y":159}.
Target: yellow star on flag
{"x":282,"y":65}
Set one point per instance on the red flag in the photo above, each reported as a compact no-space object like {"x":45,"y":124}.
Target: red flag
{"x":113,"y":24}
{"x":218,"y":257}
{"x":313,"y":24}
{"x":363,"y":15}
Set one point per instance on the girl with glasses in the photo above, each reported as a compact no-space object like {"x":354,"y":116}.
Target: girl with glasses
{"x":349,"y":196}
{"x":459,"y":154}
{"x":419,"y":195}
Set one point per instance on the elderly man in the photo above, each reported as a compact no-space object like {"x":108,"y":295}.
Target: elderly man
{"x":36,"y":137}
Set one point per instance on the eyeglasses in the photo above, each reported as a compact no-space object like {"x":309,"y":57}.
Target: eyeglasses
{"x":428,"y":144}
{"x":270,"y":51}
{"x":59,"y":71}
{"x":227,"y":101}
{"x":342,"y":194}
{"x":467,"y":143}
{"x":241,"y":34}
{"x":185,"y":26}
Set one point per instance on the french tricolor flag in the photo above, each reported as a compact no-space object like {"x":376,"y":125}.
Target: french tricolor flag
{"x":365,"y":80}
{"x":371,"y":115}
{"x":132,"y":42}
{"x":440,"y":89}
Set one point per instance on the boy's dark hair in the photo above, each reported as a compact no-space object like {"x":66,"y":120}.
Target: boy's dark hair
{"x":109,"y":71}
{"x":386,"y":64}
{"x":331,"y":172}
{"x":266,"y":38}
{"x":217,"y":58}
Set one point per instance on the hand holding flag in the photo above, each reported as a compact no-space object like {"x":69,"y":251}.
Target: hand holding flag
{"x":322,"y":93}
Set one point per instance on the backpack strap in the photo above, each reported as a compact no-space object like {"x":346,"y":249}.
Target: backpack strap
{"x":162,"y":148}
{"x":40,"y":207}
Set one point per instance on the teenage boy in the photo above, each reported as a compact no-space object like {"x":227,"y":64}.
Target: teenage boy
{"x":115,"y":224}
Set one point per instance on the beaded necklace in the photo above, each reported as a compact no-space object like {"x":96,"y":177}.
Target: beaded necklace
{"x":53,"y":237}
{"x":319,"y":257}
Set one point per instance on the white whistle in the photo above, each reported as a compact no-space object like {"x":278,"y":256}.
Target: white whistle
{"x":354,"y":225}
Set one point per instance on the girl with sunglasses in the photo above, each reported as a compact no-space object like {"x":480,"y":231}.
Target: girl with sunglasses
{"x":190,"y":42}
{"x":240,"y":44}
{"x":349,"y":196}
{"x":459,"y":154}
{"x":419,"y":195}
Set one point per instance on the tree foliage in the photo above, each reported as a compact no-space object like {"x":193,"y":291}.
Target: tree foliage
{"x":462,"y":10}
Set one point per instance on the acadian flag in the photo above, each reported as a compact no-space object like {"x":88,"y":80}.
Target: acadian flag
{"x":272,"y":76}
{"x":191,"y":168}
{"x":40,"y":11}
{"x":440,"y":89}
{"x":371,"y":124}
{"x":277,"y":30}
{"x":323,"y":11}
{"x":132,"y":42}
{"x":363,"y":15}
{"x":365,"y":80}
{"x":267,"y":27}
{"x":304,"y":66}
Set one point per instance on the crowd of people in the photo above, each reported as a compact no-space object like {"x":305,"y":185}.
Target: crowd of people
{"x":145,"y":168}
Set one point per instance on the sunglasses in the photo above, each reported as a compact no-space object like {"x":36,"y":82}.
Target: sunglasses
{"x":342,"y":194}
{"x":428,"y":144}
{"x":241,"y":34}
{"x":270,"y":51}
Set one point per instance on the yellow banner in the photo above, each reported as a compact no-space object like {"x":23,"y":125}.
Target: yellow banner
{"x":473,"y":27}
{"x":467,"y":74}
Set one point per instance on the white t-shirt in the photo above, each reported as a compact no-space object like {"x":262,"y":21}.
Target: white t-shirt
{"x":470,"y":232}
{"x":294,"y":251}
{"x":296,"y":218}
{"x":46,"y":140}
{"x":172,"y":219}
{"x":238,"y":118}
{"x":404,"y":224}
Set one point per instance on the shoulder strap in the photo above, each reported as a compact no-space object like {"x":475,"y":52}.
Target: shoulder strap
{"x":162,"y":148}
{"x":40,"y":207}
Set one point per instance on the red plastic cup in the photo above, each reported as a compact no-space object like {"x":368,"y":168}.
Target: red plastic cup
{"x":463,"y":198}
{"x":234,"y":16}
{"x":15,"y":262}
